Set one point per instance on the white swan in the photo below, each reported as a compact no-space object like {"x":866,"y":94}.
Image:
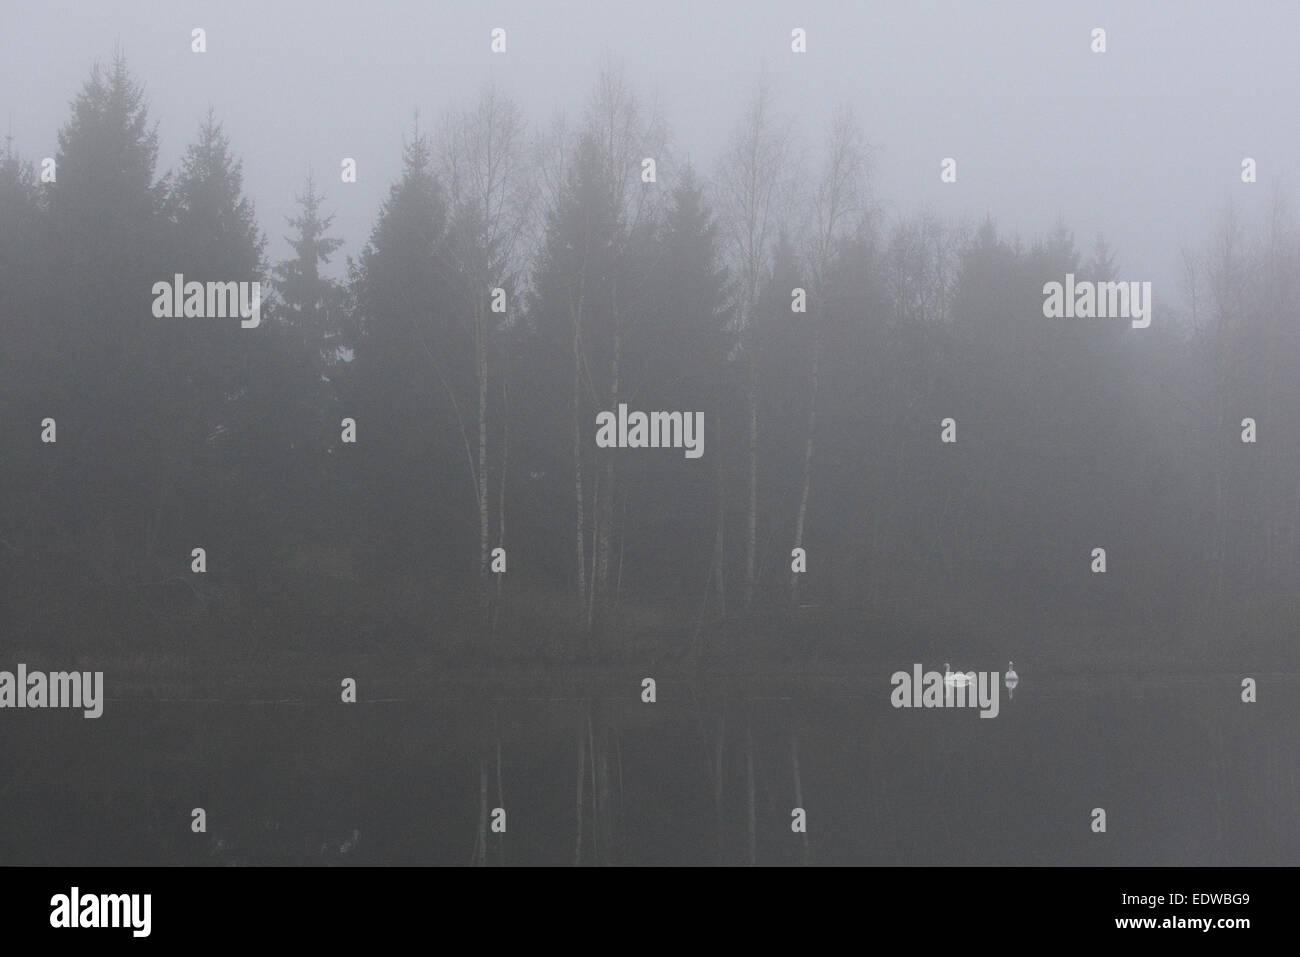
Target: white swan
{"x":333,"y":848}
{"x":350,"y":845}
{"x":1012,"y":679}
{"x":959,"y":679}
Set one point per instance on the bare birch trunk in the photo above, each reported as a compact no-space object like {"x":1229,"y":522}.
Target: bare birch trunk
{"x":501,"y":500}
{"x":480,"y":358}
{"x":577,"y":466}
{"x":607,"y":500}
{"x":807,"y":460}
{"x":719,"y":557}
{"x":751,"y":532}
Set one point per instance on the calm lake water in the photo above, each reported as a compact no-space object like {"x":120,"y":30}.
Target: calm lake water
{"x":1186,"y":773}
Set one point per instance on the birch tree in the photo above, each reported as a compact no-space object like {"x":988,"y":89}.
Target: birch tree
{"x":625,"y":133}
{"x":753,"y":187}
{"x":487,"y":174}
{"x":837,"y":209}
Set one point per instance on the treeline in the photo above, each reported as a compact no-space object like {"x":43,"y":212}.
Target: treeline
{"x":517,"y":281}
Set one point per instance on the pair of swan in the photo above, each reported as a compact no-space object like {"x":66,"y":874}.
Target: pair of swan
{"x":959,"y":679}
{"x":962,"y":679}
{"x":335,"y":848}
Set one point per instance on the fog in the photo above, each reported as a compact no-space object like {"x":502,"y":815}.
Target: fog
{"x":700,"y":433}
{"x":1143,"y":143}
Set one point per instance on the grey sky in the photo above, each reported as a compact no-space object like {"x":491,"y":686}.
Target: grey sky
{"x":1143,"y":143}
